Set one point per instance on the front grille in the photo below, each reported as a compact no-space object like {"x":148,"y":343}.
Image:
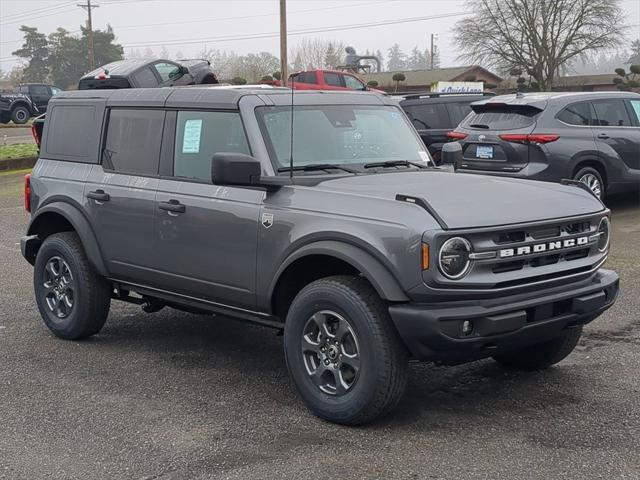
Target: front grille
{"x":532,"y":253}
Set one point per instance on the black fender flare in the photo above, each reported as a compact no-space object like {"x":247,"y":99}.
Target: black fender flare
{"x":22,"y":103}
{"x":82,"y":227}
{"x":373,"y":270}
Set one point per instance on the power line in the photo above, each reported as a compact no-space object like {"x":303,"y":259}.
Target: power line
{"x":51,"y":14}
{"x":294,"y":32}
{"x":121,"y":27}
{"x":28,"y":13}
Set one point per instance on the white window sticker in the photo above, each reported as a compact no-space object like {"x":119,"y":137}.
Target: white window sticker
{"x":424,"y":156}
{"x":191,"y":138}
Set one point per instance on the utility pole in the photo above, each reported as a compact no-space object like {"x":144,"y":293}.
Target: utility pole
{"x":91,"y":51}
{"x":431,"y":51}
{"x":283,"y":43}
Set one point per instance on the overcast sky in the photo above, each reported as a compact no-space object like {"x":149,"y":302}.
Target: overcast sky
{"x":187,"y":26}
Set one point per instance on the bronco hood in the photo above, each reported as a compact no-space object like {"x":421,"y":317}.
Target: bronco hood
{"x":469,"y":201}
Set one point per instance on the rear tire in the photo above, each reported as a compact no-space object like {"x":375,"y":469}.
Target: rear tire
{"x":343,"y":353}
{"x":20,"y":115}
{"x":542,"y":355}
{"x":72,"y":298}
{"x":592,"y":179}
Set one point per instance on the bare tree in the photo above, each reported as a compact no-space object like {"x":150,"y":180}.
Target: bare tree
{"x":317,"y":53}
{"x":539,"y":36}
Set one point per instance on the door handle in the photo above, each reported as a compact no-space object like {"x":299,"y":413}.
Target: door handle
{"x":98,"y":196}
{"x":603,"y":136}
{"x":172,"y":206}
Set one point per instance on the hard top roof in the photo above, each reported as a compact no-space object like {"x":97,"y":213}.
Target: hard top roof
{"x":220,"y":96}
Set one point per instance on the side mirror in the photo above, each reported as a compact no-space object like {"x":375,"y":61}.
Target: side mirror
{"x":235,"y":169}
{"x":451,"y":154}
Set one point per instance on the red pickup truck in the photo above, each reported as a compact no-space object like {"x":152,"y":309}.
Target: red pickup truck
{"x":325,"y":80}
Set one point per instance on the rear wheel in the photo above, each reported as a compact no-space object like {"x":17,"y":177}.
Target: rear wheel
{"x":542,"y":355}
{"x":592,"y":179}
{"x":343,"y":353}
{"x":72,"y":298}
{"x":20,"y":115}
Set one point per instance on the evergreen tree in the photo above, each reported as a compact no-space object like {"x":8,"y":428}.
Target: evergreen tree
{"x":397,"y":59}
{"x":34,"y":49}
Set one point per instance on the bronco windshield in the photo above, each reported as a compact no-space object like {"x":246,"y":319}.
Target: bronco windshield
{"x":343,"y":135}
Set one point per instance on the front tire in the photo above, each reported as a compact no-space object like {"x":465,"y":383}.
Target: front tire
{"x":542,"y":355}
{"x":20,"y":115}
{"x":343,"y":353}
{"x":72,"y":298}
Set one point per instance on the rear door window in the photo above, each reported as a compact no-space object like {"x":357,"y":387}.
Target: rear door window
{"x":428,"y":116}
{"x":457,"y":112}
{"x":133,"y":141}
{"x":200,"y":135}
{"x":333,"y":79}
{"x":501,"y":118}
{"x":611,"y":113}
{"x":145,"y":78}
{"x":577,"y":114}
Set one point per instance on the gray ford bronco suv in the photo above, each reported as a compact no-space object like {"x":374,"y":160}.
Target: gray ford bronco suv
{"x":341,"y":234}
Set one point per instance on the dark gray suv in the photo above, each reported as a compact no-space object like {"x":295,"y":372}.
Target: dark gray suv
{"x":352,"y":244}
{"x":593,"y":138}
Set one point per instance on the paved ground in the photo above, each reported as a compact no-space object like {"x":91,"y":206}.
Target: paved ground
{"x":9,"y":136}
{"x":174,"y":396}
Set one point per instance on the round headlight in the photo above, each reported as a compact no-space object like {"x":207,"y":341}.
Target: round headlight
{"x":453,"y":259}
{"x":603,"y":231}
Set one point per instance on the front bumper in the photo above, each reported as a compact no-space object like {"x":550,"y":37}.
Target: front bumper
{"x":435,"y":331}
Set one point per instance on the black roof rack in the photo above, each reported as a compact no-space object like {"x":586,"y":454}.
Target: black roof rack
{"x":408,"y":95}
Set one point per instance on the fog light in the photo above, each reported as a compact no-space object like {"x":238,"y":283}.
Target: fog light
{"x":467,"y":327}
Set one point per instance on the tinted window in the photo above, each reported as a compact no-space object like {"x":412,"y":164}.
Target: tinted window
{"x":576,"y":114}
{"x":352,"y":82}
{"x":307,"y":77}
{"x":133,"y":141}
{"x":457,"y":112}
{"x":428,"y":115}
{"x":333,"y":79}
{"x":69,"y":130}
{"x":39,"y":90}
{"x":501,"y":118}
{"x":145,"y":78}
{"x":167,"y":71}
{"x":201,"y":134}
{"x":611,"y":113}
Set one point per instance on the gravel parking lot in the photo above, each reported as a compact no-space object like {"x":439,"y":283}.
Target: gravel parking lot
{"x":177,"y":396}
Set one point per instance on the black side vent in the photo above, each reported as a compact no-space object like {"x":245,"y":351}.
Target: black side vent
{"x":511,"y":237}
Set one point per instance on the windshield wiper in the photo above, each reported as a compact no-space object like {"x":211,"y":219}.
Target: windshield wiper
{"x":314,"y":167}
{"x":395,"y":163}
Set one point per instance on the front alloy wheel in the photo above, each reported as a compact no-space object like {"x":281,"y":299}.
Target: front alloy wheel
{"x":330,"y":352}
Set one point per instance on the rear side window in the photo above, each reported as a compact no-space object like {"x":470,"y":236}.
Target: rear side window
{"x":133,"y":141}
{"x":305,"y":77}
{"x":457,"y":112}
{"x":69,"y":130}
{"x":611,"y":113}
{"x":502,"y":117}
{"x":199,"y":135}
{"x":428,"y":116}
{"x":145,"y":78}
{"x":333,"y":79}
{"x":577,"y":114}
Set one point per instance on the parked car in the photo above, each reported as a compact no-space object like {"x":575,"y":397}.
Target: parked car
{"x":320,"y":79}
{"x":28,"y":100}
{"x":434,"y":115}
{"x":140,"y":74}
{"x":362,"y":253}
{"x":590,"y":137}
{"x":136,"y":73}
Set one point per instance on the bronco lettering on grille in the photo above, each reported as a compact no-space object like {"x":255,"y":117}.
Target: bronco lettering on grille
{"x":543,"y":247}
